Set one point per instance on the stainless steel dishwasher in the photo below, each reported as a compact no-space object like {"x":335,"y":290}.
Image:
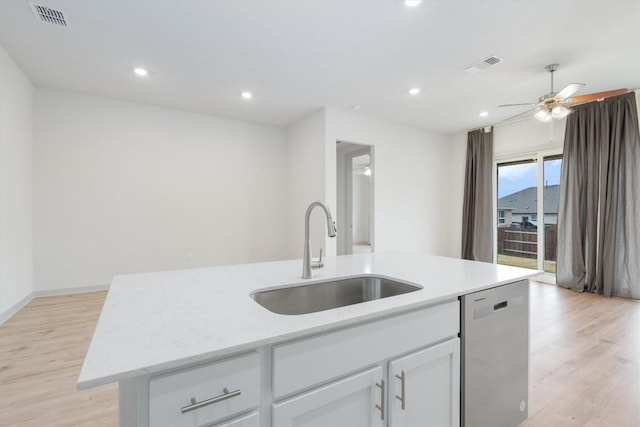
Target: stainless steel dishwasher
{"x":495,"y":351}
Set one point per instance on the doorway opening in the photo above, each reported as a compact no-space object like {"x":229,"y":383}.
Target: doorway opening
{"x":355,"y":180}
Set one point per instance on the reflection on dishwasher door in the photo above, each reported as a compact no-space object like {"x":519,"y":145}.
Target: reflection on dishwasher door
{"x":495,"y":351}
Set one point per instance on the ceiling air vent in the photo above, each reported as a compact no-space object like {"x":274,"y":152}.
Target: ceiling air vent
{"x":476,"y":67}
{"x":49,"y":15}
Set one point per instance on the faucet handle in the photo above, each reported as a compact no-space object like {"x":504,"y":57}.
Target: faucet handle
{"x":317,"y":264}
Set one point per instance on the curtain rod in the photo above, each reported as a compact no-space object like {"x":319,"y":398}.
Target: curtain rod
{"x":522,"y":119}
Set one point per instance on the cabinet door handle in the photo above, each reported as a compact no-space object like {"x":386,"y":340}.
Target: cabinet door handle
{"x":381,"y":406}
{"x":226,"y":394}
{"x":401,"y":397}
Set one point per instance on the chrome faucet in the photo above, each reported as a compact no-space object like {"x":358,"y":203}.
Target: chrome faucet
{"x":307,"y":263}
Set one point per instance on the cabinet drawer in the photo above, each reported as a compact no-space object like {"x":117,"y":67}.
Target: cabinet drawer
{"x":304,"y":363}
{"x":223,"y":388}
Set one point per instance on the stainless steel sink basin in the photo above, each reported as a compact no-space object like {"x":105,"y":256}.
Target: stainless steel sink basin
{"x":310,"y":298}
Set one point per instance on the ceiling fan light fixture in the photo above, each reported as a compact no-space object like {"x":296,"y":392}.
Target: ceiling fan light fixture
{"x":543,"y":116}
{"x":560,"y":112}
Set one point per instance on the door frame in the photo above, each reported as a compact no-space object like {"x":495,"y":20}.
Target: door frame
{"x":347,"y":209}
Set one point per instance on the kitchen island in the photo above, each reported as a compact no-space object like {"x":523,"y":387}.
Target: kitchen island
{"x":167,"y":336}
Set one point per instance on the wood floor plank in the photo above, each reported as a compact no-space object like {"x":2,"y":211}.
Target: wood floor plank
{"x":585,"y":362}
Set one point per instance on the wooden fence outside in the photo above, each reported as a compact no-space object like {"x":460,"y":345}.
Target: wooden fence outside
{"x":524,"y":241}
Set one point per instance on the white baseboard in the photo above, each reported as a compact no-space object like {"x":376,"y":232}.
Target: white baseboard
{"x":68,"y":291}
{"x":16,"y":307}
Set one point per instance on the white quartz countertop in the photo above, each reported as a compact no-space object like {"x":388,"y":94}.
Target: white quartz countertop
{"x":156,"y":321}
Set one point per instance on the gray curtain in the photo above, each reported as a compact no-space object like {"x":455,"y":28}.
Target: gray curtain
{"x":477,"y":213}
{"x":599,"y":202}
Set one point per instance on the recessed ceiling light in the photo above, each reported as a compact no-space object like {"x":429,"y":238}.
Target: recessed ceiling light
{"x":414,"y":91}
{"x":412,"y":3}
{"x":246,"y":95}
{"x":484,"y":114}
{"x":140,"y":71}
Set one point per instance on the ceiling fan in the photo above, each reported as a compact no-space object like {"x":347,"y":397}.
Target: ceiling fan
{"x":558,"y":105}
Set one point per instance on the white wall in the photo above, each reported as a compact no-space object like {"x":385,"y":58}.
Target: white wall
{"x":16,"y":196}
{"x":411,"y":180}
{"x":458,"y":144}
{"x":527,"y":136}
{"x":122,"y":188}
{"x":305,"y":173}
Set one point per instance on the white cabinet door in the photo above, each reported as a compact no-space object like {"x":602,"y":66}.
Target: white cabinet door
{"x":349,"y":402}
{"x":428,"y":382}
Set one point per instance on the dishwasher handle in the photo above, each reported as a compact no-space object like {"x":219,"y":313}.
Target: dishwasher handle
{"x":501,"y":305}
{"x":490,"y":308}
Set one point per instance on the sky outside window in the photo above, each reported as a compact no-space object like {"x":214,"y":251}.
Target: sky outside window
{"x":513,"y":178}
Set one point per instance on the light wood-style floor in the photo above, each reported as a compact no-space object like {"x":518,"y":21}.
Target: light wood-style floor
{"x":41,"y":352}
{"x":585,"y":359}
{"x":585,"y":362}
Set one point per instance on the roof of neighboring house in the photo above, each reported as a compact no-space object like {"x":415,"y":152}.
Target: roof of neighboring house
{"x":524,"y":201}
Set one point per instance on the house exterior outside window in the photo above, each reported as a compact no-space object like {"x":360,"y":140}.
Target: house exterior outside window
{"x":504,"y":217}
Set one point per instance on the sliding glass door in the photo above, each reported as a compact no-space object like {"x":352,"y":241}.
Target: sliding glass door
{"x":527,"y":212}
{"x":518,"y":214}
{"x":550,"y":191}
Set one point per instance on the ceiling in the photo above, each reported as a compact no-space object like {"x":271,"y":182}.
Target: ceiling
{"x":298,"y":56}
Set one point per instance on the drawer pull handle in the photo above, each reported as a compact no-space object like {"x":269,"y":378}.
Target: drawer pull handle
{"x":381,"y":406}
{"x":401,"y":397}
{"x":226,"y":394}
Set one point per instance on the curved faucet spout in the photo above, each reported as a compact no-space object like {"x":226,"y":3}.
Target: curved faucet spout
{"x":307,"y":264}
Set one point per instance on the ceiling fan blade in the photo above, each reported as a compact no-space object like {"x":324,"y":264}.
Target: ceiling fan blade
{"x":593,"y":96}
{"x":516,"y":105}
{"x":521,"y":115}
{"x":569,"y":90}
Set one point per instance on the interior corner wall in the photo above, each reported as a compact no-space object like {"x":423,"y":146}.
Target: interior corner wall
{"x":16,"y":194}
{"x":306,"y":184}
{"x":411,"y":175}
{"x":122,"y":188}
